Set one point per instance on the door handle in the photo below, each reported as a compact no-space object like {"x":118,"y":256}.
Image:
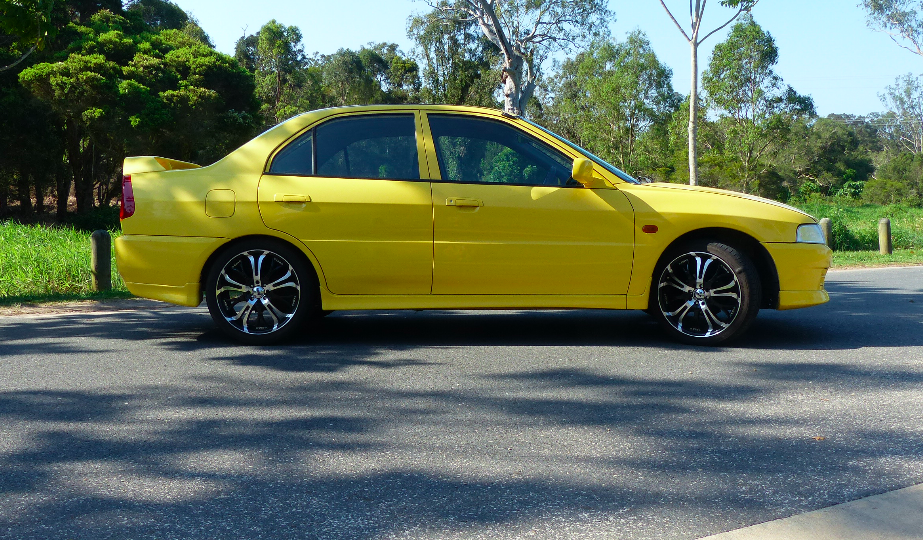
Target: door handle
{"x":299,"y":199}
{"x":457,"y":201}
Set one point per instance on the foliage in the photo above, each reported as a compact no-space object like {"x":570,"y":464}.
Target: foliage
{"x":855,"y":225}
{"x":900,"y":19}
{"x":460,"y":66}
{"x":904,"y":102}
{"x":696,"y":12}
{"x":745,"y":90}
{"x":120,"y":86}
{"x":615,"y":98}
{"x":526,"y":31}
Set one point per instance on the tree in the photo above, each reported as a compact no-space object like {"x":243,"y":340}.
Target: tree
{"x":609,"y":96}
{"x":526,"y":32}
{"x":742,"y":85}
{"x":904,"y":101}
{"x":900,"y":19}
{"x":118,"y":89}
{"x":460,"y":66}
{"x":276,"y":58}
{"x":30,"y":22}
{"x":696,"y":11}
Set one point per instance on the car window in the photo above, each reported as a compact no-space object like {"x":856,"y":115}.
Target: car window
{"x":475,"y":150}
{"x":296,"y":158}
{"x":379,"y":146}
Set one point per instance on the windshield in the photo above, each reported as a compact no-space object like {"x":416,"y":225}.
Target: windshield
{"x":598,"y":160}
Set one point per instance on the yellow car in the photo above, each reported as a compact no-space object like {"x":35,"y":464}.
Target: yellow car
{"x":445,"y":207}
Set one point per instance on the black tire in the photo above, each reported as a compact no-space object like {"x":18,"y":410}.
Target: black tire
{"x":705,"y":292}
{"x":260,"y":291}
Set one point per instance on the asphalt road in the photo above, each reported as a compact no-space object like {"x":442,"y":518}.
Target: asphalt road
{"x":563,"y":424}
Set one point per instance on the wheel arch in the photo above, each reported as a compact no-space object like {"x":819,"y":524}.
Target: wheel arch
{"x":769,"y":276}
{"x":299,"y":250}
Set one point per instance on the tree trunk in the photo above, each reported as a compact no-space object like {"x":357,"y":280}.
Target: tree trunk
{"x":25,"y":193}
{"x":63,"y":192}
{"x":693,"y":115}
{"x":512,"y":86}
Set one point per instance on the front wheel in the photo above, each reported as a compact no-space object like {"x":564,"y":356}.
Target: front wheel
{"x":705,"y":293}
{"x":259,"y":292}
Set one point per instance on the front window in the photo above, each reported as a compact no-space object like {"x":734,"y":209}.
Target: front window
{"x":476,"y":150}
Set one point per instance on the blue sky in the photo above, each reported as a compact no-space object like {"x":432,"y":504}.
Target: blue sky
{"x":825,"y":48}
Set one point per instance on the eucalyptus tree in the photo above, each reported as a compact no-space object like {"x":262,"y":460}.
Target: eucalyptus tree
{"x":696,"y":12}
{"x":900,"y":19}
{"x":904,"y":100}
{"x":526,"y":32}
{"x":744,"y":89}
{"x":458,"y":64}
{"x":610,"y":96}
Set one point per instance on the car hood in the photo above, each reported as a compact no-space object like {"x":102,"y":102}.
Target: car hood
{"x":728,"y":193}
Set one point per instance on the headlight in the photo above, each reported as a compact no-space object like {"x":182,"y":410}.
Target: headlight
{"x":810,"y":234}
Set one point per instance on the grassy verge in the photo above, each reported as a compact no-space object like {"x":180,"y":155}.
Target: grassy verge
{"x":855,"y":226}
{"x":41,"y":264}
{"x":847,"y":259}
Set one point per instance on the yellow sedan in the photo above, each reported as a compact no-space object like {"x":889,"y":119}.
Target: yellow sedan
{"x":444,"y":207}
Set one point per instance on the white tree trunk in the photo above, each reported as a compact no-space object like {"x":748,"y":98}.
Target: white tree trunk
{"x":693,"y":116}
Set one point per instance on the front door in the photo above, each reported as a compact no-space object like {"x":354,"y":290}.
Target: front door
{"x":508,"y":218}
{"x":350,"y":190}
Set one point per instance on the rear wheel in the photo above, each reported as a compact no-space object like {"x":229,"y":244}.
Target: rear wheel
{"x":705,"y":293}
{"x":260,"y":291}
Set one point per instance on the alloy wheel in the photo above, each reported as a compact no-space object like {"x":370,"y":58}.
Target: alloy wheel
{"x":699,"y":294}
{"x":257,"y":292}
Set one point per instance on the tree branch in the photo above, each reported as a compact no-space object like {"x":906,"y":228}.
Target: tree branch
{"x":744,"y":7}
{"x":676,"y":23}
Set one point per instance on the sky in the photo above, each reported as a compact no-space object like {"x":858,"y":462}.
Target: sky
{"x":825,"y":48}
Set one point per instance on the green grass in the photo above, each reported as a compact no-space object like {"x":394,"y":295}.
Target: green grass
{"x":39,"y":264}
{"x":855,"y":226}
{"x":845,"y":259}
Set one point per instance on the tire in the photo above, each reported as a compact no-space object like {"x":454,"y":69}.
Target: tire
{"x":705,"y":293}
{"x":260,"y":291}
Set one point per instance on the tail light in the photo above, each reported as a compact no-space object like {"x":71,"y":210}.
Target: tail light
{"x":127,"y":208}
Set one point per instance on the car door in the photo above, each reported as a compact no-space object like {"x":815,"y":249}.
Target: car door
{"x":350,"y":189}
{"x":508,"y":218}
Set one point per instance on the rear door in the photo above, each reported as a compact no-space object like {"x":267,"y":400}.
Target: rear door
{"x":350,"y":188}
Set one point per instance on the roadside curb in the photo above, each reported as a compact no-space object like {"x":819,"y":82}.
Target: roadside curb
{"x":895,"y":515}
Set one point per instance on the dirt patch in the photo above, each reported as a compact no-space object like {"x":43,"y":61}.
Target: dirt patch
{"x":83,"y":306}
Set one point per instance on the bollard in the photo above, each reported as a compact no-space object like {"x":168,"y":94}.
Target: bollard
{"x":884,"y":237}
{"x":101,"y":260}
{"x":827,"y":227}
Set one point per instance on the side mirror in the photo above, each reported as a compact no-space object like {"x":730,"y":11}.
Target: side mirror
{"x":582,"y":171}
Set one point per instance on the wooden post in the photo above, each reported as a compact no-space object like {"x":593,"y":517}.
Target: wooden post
{"x":884,"y":236}
{"x":827,"y":227}
{"x":101,"y":262}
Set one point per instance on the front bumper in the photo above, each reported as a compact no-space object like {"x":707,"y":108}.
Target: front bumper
{"x":802,"y":269}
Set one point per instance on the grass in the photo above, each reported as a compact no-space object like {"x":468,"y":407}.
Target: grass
{"x":865,"y":259}
{"x":855,"y":226}
{"x":41,"y":264}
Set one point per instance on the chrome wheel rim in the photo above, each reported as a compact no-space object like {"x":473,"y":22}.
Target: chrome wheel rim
{"x":699,"y":294}
{"x":257,"y":292}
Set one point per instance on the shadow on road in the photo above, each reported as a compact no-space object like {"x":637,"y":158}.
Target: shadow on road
{"x":332,"y":451}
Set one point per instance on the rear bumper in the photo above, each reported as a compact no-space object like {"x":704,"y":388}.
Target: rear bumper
{"x":166,"y":268}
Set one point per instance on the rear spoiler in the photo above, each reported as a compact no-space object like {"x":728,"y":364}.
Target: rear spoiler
{"x":142,"y":164}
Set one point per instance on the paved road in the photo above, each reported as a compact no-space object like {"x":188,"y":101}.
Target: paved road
{"x":581,"y":424}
